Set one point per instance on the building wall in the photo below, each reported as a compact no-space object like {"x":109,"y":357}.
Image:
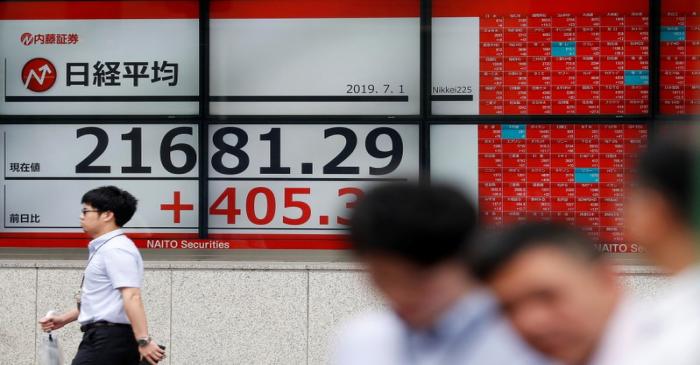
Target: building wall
{"x":215,"y":312}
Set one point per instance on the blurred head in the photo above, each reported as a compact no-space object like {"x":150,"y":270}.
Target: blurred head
{"x":105,"y":209}
{"x":554,"y":286}
{"x":659,"y":205}
{"x":410,"y":237}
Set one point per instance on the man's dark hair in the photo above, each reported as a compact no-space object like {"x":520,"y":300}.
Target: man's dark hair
{"x":667,"y":167}
{"x":493,"y":250}
{"x":112,"y":199}
{"x":425,"y":225}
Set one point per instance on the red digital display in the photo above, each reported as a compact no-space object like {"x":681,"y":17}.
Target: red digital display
{"x":680,"y":57}
{"x":558,"y":57}
{"x":575,"y":173}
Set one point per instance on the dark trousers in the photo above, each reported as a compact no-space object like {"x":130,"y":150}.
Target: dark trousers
{"x":108,"y":346}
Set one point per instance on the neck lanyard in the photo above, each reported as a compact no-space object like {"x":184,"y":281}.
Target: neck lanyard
{"x":79,"y":293}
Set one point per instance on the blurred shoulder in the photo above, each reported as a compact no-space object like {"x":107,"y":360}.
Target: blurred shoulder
{"x":375,"y":324}
{"x":372,"y":337}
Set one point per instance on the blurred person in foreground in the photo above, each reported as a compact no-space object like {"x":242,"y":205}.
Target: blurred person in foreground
{"x":659,"y":218}
{"x":409,"y":237}
{"x":558,"y":291}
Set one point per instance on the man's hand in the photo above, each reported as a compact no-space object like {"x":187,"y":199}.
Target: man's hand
{"x":133,"y":306}
{"x":152,"y":353}
{"x":53,"y":321}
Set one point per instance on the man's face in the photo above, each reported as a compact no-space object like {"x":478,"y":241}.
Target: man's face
{"x":91,"y":220}
{"x":558,"y":303}
{"x":418,"y":295}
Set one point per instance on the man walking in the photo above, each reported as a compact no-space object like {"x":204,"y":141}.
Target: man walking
{"x":409,"y":237}
{"x":560,"y":293}
{"x":109,"y":306}
{"x":660,"y":219}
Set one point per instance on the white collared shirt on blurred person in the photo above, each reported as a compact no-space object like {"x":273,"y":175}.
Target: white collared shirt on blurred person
{"x":472,"y":332}
{"x":669,"y":331}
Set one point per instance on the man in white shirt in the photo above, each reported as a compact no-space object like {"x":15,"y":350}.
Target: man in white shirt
{"x":409,"y":237}
{"x":109,"y":308}
{"x":659,"y":218}
{"x":560,"y":294}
